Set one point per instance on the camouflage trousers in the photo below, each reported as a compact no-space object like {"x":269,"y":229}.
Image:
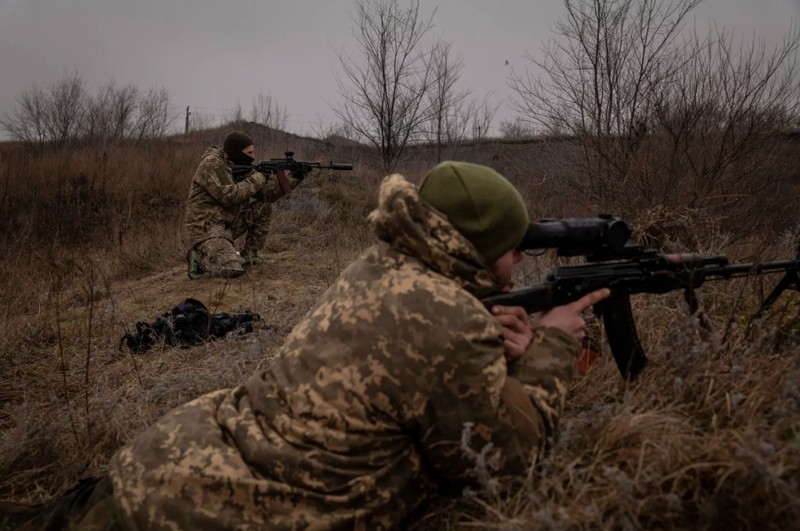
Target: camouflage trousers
{"x":218,"y":254}
{"x":89,"y":506}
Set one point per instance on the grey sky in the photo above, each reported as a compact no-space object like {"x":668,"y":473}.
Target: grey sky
{"x":209,"y":54}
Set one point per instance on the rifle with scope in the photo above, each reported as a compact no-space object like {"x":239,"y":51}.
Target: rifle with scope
{"x":626,"y":269}
{"x":298,"y":168}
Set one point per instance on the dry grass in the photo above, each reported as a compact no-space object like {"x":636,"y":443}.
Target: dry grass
{"x":706,"y":439}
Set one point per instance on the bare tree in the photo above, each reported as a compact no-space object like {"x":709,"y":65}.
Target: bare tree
{"x":235,"y":114}
{"x":54,"y":115}
{"x":482,"y":113}
{"x":384,"y":90}
{"x":122,"y":110}
{"x":28,"y":123}
{"x":663,"y":123}
{"x":110,"y":113}
{"x":66,"y":108}
{"x":65,"y":112}
{"x":201,"y":120}
{"x":154,"y":115}
{"x":266,"y":111}
{"x":448,"y":120}
{"x":597,"y":68}
{"x":454,"y":114}
{"x":721,"y":118}
{"x":96,"y":126}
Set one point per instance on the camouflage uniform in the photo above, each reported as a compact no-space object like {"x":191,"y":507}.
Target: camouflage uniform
{"x":220,"y":210}
{"x":363,"y":410}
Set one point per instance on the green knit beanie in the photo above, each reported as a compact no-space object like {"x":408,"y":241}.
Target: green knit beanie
{"x":480,"y":203}
{"x":236,"y":141}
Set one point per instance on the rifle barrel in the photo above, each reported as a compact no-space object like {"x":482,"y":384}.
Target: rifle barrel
{"x":748,"y":269}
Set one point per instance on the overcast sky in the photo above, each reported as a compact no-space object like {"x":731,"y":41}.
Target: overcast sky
{"x":209,"y":54}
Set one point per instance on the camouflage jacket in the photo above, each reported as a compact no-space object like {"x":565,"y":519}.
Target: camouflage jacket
{"x":395,"y":382}
{"x":215,"y":199}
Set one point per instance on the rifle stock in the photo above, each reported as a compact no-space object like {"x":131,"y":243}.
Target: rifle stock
{"x":533,"y":299}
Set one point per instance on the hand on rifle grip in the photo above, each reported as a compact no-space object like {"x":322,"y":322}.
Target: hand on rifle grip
{"x":569,"y":317}
{"x":517,"y":332}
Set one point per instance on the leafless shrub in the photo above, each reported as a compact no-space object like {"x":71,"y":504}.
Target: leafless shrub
{"x":154,"y":115}
{"x":201,"y":121}
{"x":111,"y":113}
{"x":29,"y":121}
{"x":266,"y":111}
{"x":448,"y":120}
{"x":54,"y":115}
{"x":234,"y":114}
{"x":66,"y":113}
{"x":67,"y":104}
{"x":384,"y":91}
{"x":663,"y":123}
{"x":482,"y":113}
{"x":516,"y":129}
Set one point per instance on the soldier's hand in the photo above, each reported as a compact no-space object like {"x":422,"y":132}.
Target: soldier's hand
{"x":517,"y":332}
{"x":569,"y":317}
{"x":258,"y":179}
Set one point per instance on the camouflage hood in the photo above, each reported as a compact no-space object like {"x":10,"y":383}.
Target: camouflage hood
{"x":406,"y":223}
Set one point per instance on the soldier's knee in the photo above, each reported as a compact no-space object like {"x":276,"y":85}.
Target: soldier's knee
{"x":220,"y":258}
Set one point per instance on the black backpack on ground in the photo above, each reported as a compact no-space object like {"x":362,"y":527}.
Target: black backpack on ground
{"x":187,"y":324}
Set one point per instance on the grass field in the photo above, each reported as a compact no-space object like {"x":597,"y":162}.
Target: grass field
{"x":707,"y":438}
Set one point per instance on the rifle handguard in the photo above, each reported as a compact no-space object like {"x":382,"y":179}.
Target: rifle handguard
{"x":298,"y":168}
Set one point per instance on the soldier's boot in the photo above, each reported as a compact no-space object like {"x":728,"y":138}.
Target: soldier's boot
{"x":230,"y":270}
{"x":251,"y":258}
{"x":193,"y":260}
{"x":227,"y":268}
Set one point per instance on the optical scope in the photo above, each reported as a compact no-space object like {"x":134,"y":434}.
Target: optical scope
{"x":604,"y":235}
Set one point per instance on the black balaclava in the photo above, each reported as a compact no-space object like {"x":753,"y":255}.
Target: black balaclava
{"x":234,"y":143}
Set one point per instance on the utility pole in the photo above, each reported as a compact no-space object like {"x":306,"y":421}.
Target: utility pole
{"x":186,"y":129}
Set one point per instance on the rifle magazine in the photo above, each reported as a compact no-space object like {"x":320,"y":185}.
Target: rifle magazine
{"x":622,"y":337}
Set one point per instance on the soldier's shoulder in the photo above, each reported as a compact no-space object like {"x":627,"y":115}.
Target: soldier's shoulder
{"x":213,"y":156}
{"x":428,"y":291}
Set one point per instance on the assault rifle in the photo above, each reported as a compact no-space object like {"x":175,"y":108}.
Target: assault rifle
{"x":298,"y":168}
{"x":627,"y":270}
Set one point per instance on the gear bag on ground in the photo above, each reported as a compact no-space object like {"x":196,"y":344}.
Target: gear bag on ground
{"x":187,"y":324}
